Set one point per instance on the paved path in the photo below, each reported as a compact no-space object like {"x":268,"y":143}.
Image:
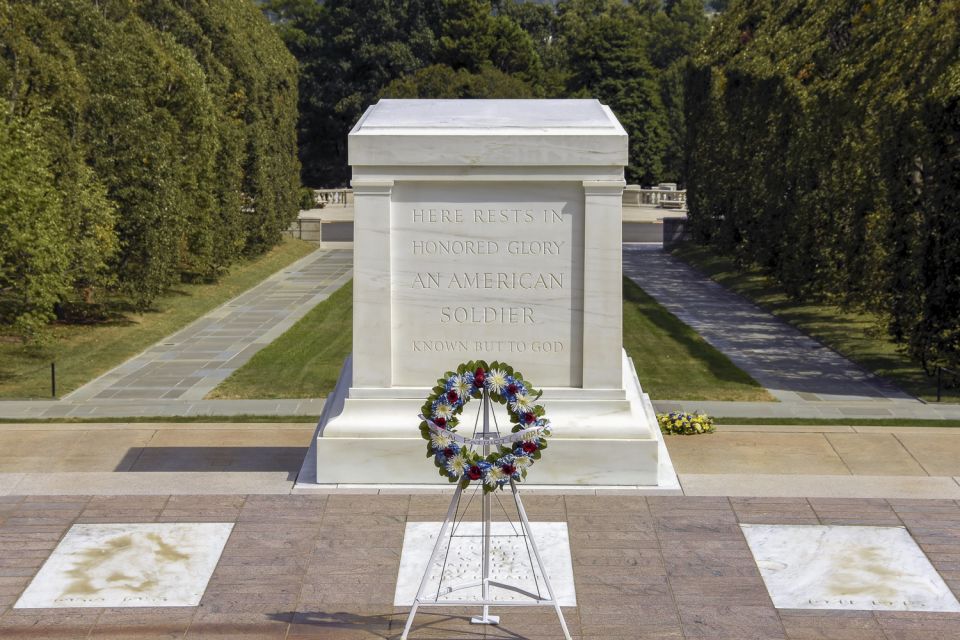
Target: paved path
{"x":790,"y":364}
{"x":190,"y":363}
{"x":217,"y":458}
{"x":326,"y":567}
{"x":824,"y":385}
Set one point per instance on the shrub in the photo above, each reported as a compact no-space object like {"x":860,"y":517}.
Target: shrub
{"x":686,"y":424}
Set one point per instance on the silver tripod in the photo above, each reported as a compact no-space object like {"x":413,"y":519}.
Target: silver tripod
{"x":484,"y":439}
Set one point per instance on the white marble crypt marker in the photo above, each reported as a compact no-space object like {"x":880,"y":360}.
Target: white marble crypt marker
{"x":489,"y":229}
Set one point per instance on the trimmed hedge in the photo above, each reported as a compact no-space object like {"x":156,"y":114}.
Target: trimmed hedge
{"x":822,"y":145}
{"x":165,"y":134}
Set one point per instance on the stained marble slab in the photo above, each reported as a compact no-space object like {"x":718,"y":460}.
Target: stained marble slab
{"x":129,"y":565}
{"x":846,"y":567}
{"x":510,"y":561}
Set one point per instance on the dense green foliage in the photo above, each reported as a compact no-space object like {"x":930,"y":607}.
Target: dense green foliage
{"x":629,"y":55}
{"x":143,"y":144}
{"x":823,"y":145}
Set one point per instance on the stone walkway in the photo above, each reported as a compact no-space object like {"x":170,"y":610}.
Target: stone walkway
{"x":790,"y":364}
{"x":190,"y":363}
{"x":325,"y":567}
{"x":810,"y":380}
{"x":224,"y":458}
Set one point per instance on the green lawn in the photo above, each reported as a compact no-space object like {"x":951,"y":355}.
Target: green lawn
{"x":302,"y":363}
{"x":845,"y":422}
{"x":243,"y":418}
{"x":82,"y":352}
{"x":854,"y":335}
{"x":673,"y":362}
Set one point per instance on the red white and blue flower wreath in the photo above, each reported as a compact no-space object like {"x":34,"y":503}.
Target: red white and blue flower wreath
{"x":451,"y":452}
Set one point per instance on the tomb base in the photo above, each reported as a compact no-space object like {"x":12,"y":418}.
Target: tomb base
{"x":600,"y":437}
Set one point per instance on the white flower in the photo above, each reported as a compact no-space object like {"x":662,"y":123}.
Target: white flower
{"x":457,"y":465}
{"x":522,"y":404}
{"x":443,"y":410}
{"x":461,"y":386}
{"x":522,"y":462}
{"x":494,"y":476}
{"x":440,"y":440}
{"x":496,"y":381}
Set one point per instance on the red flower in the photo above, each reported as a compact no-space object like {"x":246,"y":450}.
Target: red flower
{"x":441,"y":422}
{"x":512,"y":389}
{"x":449,"y":452}
{"x":479,"y":377}
{"x":509,"y":469}
{"x":452,"y":396}
{"x":529,"y":447}
{"x":474,"y":473}
{"x":528,"y":418}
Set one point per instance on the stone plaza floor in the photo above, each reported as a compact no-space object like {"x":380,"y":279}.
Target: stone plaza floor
{"x":325,"y":564}
{"x":326,"y":567}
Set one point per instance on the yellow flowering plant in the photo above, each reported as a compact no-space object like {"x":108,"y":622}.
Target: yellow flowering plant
{"x":681,"y":423}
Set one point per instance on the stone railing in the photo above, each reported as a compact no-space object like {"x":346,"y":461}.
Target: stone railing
{"x":334,"y":197}
{"x":633,"y":195}
{"x":656,"y":197}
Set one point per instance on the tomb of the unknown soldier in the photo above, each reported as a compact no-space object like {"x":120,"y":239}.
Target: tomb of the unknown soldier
{"x":489,"y":230}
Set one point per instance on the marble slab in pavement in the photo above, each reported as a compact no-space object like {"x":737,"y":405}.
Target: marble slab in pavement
{"x":847,"y":568}
{"x":128,"y":565}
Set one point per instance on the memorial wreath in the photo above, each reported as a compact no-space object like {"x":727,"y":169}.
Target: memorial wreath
{"x":451,"y":452}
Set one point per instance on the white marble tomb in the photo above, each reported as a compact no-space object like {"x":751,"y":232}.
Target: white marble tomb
{"x":846,"y":567}
{"x":489,"y":229}
{"x":164,"y":564}
{"x":510,"y":562}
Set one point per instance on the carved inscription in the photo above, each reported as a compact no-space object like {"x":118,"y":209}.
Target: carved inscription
{"x":460,"y":280}
{"x":491,"y":280}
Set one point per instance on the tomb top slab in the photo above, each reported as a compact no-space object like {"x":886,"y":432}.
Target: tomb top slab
{"x":488,"y":133}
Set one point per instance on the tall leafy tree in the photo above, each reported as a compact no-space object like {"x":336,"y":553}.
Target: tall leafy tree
{"x":162,"y":135}
{"x":607,"y":58}
{"x":34,"y":259}
{"x":822,"y":145}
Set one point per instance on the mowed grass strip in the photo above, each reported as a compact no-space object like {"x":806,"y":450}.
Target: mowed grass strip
{"x":838,"y":422}
{"x":856,"y":335}
{"x":673,"y":362}
{"x":84,"y":351}
{"x":305,"y":361}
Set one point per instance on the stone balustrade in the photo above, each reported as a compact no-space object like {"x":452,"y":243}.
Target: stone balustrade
{"x":663,"y":197}
{"x":334,"y":197}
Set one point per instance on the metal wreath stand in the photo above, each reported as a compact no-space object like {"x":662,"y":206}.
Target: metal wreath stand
{"x":484,"y":439}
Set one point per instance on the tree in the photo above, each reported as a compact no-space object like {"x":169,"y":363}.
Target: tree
{"x":34,"y":261}
{"x":167,"y":131}
{"x":822,"y":145}
{"x":440,"y":81}
{"x":607,"y":59}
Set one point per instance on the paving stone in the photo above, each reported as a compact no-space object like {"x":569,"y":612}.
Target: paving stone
{"x":802,"y":624}
{"x":684,"y":575}
{"x":748,"y":622}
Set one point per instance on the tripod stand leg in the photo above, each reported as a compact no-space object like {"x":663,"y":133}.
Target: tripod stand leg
{"x":536,"y":554}
{"x":486,"y":618}
{"x":451,"y":514}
